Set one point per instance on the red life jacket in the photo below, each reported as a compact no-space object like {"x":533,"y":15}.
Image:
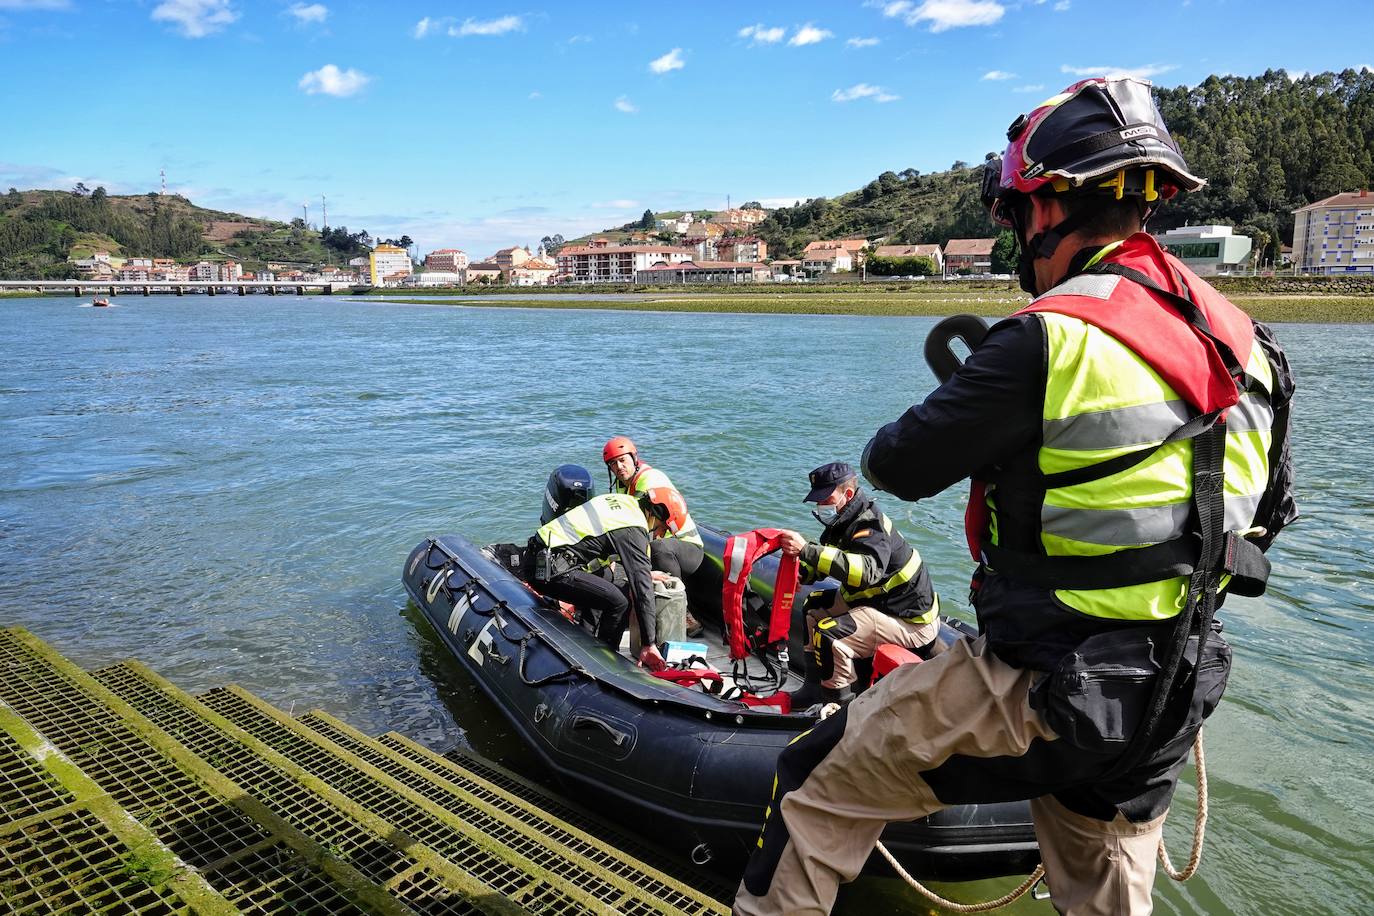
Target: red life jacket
{"x":1185,"y":358}
{"x":741,"y":552}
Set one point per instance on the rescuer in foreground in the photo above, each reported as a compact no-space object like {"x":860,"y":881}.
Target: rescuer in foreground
{"x":1126,"y":435}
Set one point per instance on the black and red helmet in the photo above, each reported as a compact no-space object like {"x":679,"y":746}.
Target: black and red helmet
{"x":1100,"y":136}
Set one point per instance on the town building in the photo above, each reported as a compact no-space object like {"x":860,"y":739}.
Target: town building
{"x":826,"y":261}
{"x":230,"y":271}
{"x":450,"y":260}
{"x":786,"y":269}
{"x":678,"y":226}
{"x":434,"y":278}
{"x":855,"y":248}
{"x":138,"y":262}
{"x":933,"y":252}
{"x":482,"y":272}
{"x":95,"y":267}
{"x":533,"y":272}
{"x":507,"y":258}
{"x":1335,"y":235}
{"x":705,"y":247}
{"x":133,"y":273}
{"x":204,"y":271}
{"x":387,"y":265}
{"x":1207,"y":250}
{"x":969,"y":255}
{"x":748,"y":248}
{"x":705,"y":272}
{"x":737,"y":217}
{"x":599,"y":261}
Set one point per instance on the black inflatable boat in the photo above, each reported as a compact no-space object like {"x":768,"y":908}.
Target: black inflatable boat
{"x":692,"y":769}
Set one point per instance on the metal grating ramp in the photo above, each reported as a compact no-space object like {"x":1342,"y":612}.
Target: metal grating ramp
{"x":467,"y":768}
{"x":208,"y":822}
{"x":490,"y":808}
{"x":441,"y":818}
{"x":65,"y":846}
{"x":328,"y":797}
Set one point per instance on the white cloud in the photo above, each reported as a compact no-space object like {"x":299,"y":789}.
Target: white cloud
{"x":536,"y":94}
{"x":1062,"y":6}
{"x":863,"y":91}
{"x":500,"y":26}
{"x":772,"y":203}
{"x":998,"y":75}
{"x":761,"y":34}
{"x":306,"y":13}
{"x":668,"y":62}
{"x":330,"y":80}
{"x":809,"y":35}
{"x":620,"y":204}
{"x":945,"y":14}
{"x":1036,"y":87}
{"x":422,"y":27}
{"x":861,"y":42}
{"x":195,"y":18}
{"x":1143,"y":73}
{"x":625,"y":105}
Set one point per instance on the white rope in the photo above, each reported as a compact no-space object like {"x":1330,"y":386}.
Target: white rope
{"x":1199,"y":822}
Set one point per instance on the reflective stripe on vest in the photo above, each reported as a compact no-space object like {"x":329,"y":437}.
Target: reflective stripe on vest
{"x":649,"y":477}
{"x":901,"y":577}
{"x":591,"y":519}
{"x":1103,"y":400}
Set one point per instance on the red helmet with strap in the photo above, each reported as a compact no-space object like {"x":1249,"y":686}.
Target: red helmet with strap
{"x":667,"y":505}
{"x":1102,"y":137}
{"x":617,"y":446}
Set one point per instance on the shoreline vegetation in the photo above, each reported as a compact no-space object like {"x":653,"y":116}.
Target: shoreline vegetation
{"x":934,"y":300}
{"x":1273,"y":302}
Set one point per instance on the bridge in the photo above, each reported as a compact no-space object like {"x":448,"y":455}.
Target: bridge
{"x":80,"y":288}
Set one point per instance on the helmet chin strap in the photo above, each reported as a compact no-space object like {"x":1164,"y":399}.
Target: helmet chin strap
{"x":1042,"y":244}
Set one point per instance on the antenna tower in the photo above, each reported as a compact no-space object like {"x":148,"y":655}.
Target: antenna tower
{"x":324,"y":208}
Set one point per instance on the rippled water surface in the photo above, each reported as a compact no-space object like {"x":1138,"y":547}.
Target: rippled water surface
{"x":226,"y":489}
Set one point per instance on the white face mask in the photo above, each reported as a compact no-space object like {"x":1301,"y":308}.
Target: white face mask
{"x":826,"y":515}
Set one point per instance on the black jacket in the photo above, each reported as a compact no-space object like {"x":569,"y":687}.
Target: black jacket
{"x":869,"y":552}
{"x":631,"y":546}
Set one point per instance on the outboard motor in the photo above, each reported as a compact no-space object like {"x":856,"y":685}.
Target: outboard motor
{"x":570,"y":485}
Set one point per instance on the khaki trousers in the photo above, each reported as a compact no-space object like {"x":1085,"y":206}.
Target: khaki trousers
{"x":841,"y":634}
{"x":843,"y":782}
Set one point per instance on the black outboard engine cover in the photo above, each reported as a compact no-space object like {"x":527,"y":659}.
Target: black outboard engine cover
{"x":570,"y":485}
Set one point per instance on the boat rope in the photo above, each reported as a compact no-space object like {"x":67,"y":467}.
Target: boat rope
{"x":1199,"y":820}
{"x":1199,"y":828}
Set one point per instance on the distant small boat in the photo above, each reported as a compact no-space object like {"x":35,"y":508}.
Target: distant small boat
{"x":100,"y":303}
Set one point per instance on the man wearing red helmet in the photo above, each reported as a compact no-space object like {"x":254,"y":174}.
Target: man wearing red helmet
{"x":679,"y":553}
{"x":1126,"y":435}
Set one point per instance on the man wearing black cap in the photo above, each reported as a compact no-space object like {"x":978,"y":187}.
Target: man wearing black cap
{"x":885,"y":594}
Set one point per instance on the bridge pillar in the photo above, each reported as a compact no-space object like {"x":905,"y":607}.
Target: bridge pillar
{"x":76,"y":291}
{"x":147,"y":290}
{"x":178,"y":289}
{"x":113,"y":291}
{"x":300,"y":291}
{"x":329,"y":289}
{"x":243,"y":290}
{"x":271,"y":290}
{"x":210,"y":290}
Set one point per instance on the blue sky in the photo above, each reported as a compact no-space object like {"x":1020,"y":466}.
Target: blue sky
{"x":480,"y":125}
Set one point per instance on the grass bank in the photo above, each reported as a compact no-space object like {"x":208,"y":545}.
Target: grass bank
{"x":1267,"y":308}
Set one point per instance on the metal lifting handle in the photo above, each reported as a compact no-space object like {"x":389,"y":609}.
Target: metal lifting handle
{"x":618,"y":737}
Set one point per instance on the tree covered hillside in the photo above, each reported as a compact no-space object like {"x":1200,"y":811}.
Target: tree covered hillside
{"x":41,"y":230}
{"x":1267,"y":145}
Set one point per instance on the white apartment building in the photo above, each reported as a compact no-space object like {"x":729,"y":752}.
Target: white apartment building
{"x":599,"y":261}
{"x":1335,"y":235}
{"x":1208,"y":250}
{"x":387,"y":264}
{"x":449,"y":260}
{"x":204,"y":270}
{"x":436,"y":278}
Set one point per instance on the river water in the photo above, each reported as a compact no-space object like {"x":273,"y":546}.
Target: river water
{"x":226,"y":489}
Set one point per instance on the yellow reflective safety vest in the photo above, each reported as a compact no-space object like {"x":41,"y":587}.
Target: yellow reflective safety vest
{"x":595,"y":517}
{"x":1104,"y":402}
{"x":649,"y":478}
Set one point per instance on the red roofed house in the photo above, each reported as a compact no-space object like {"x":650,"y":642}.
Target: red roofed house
{"x":533,"y":272}
{"x":913,"y":251}
{"x":972,"y":255}
{"x":598,"y":261}
{"x":826,"y":261}
{"x":742,"y":248}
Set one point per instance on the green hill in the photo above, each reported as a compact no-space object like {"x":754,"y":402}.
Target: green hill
{"x":40,"y":230}
{"x":1267,"y":144}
